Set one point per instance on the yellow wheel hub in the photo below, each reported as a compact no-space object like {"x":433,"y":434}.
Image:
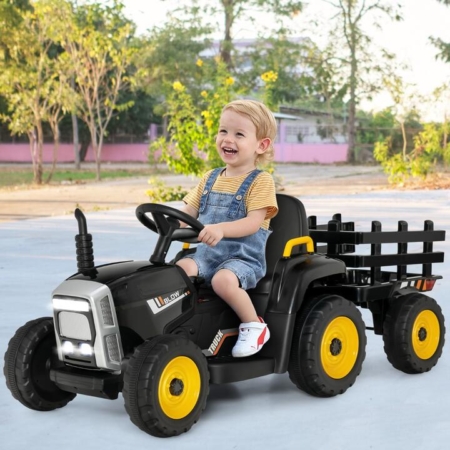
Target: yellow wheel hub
{"x":426,"y":333}
{"x":339,"y":347}
{"x":179,"y":387}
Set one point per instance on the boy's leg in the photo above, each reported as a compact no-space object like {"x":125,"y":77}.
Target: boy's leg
{"x":253,"y":332}
{"x":189,"y":266}
{"x":226,"y":286}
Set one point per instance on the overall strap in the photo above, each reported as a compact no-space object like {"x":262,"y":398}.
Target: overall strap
{"x":208,"y":186}
{"x":240,"y":194}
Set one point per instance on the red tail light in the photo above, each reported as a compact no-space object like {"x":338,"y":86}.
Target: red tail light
{"x":425,"y":285}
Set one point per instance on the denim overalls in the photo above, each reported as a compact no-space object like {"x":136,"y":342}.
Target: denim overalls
{"x":245,"y":256}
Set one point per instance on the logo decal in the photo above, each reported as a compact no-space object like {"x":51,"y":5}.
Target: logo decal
{"x":218,"y":340}
{"x":160,"y":303}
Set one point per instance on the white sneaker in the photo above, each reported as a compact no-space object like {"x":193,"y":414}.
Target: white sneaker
{"x":252,"y":337}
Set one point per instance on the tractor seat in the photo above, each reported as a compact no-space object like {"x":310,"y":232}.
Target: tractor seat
{"x":290,"y":222}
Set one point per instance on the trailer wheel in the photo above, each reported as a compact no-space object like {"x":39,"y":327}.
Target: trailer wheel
{"x":30,"y":355}
{"x":166,"y":385}
{"x":328,"y":348}
{"x":414,"y":333}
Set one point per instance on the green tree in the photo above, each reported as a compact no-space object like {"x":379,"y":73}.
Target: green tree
{"x":170,"y":54}
{"x":444,"y":47}
{"x":98,"y":44}
{"x":193,"y":125}
{"x":354,"y":50}
{"x":243,"y":10}
{"x":32,"y":75}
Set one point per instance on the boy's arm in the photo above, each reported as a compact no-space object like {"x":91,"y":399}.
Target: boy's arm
{"x":212,"y":234}
{"x":190,"y":210}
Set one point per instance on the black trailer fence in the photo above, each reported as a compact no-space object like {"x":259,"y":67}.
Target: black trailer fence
{"x":341,"y":241}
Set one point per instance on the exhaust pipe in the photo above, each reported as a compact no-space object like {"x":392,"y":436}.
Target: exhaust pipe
{"x":83,"y":240}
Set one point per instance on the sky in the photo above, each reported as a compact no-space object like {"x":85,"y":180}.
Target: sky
{"x":408,"y":39}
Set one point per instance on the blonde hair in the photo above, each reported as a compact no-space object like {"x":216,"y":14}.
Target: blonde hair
{"x":262,"y":118}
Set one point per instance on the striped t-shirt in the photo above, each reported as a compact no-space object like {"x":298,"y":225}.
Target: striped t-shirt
{"x":260,"y":194}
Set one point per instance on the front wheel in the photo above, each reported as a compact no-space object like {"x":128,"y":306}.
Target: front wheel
{"x":328,"y":348}
{"x":30,"y":355}
{"x":166,"y":385}
{"x":413,"y":333}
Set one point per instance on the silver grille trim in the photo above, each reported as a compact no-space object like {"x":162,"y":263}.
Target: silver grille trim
{"x":106,"y":311}
{"x":107,"y":356}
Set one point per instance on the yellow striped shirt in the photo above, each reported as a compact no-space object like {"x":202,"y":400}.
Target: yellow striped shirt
{"x":261,"y":193}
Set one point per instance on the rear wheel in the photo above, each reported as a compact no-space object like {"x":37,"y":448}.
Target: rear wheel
{"x":30,"y":355}
{"x":166,"y":385}
{"x":414,"y":333}
{"x":328,"y":346}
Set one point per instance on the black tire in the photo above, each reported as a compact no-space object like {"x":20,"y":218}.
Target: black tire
{"x":30,"y":355}
{"x":328,"y":347}
{"x":414,"y":333}
{"x":157,"y":401}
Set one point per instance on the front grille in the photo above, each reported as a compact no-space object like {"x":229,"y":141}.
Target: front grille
{"x":112,"y":345}
{"x":74,"y":326}
{"x":106,"y":311}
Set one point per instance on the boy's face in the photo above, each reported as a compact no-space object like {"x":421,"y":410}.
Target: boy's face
{"x":236,"y":140}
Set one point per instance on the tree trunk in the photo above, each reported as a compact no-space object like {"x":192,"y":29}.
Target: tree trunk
{"x":76,"y":142}
{"x":55,"y":129}
{"x":227,"y":43}
{"x":40,"y":153}
{"x":351,"y":130}
{"x":402,"y":126}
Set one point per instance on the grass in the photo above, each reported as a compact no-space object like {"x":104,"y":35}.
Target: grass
{"x":11,"y":177}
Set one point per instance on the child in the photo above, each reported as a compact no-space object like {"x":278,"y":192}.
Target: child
{"x":236,"y":204}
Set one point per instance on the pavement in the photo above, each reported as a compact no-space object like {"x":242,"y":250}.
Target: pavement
{"x":384,"y":410}
{"x":60,"y":199}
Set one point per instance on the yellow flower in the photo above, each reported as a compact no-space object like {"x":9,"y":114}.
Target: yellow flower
{"x":229,"y":81}
{"x":209,"y":123}
{"x":178,"y":86}
{"x":270,"y":76}
{"x":204,"y":94}
{"x":199,"y":62}
{"x":206,"y":114}
{"x":216,"y":95}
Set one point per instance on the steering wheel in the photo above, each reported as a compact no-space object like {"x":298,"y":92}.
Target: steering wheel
{"x":166,"y":223}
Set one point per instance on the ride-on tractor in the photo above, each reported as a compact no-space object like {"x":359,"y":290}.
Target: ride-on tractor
{"x":147,"y":330}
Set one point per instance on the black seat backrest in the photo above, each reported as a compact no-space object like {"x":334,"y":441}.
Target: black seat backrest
{"x":290,"y":222}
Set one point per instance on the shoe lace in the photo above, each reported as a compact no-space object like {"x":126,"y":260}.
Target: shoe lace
{"x":243,"y":334}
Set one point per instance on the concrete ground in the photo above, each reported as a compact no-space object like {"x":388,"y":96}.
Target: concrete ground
{"x":384,"y":410}
{"x":294,"y":179}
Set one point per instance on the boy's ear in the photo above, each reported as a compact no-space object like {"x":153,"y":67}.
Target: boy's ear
{"x":264,"y":145}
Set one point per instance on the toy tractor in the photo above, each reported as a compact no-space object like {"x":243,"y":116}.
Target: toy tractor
{"x":147,"y":330}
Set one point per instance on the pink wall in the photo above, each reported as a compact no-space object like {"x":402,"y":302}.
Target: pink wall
{"x":284,"y":152}
{"x":110,"y":152}
{"x":311,"y":153}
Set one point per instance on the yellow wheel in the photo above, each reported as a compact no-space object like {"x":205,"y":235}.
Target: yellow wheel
{"x":426,"y":334}
{"x":165,"y":385}
{"x":340,"y":346}
{"x":413,"y":333}
{"x":328,"y":346}
{"x":179,"y":387}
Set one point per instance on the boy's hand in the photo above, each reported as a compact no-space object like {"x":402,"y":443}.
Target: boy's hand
{"x":211,"y":235}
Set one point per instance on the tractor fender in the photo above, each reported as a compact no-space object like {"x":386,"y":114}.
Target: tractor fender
{"x":293,"y":276}
{"x":290,"y":281}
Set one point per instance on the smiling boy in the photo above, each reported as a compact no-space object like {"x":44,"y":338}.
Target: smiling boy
{"x":236,"y":203}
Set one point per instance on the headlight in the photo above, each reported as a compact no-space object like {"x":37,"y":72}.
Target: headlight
{"x":67,"y":347}
{"x":86,"y":349}
{"x":71,"y":305}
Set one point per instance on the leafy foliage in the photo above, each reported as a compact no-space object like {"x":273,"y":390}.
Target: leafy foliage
{"x":193,"y":125}
{"x":429,"y":149}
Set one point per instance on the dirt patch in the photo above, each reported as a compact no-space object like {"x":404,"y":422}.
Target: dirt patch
{"x":297,"y":180}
